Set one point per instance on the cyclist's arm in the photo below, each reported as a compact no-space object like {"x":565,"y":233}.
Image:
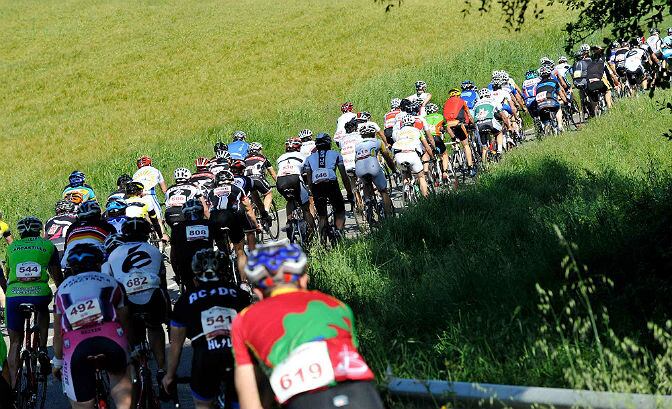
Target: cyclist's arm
{"x":177,"y":338}
{"x":514,"y":110}
{"x":428,"y":148}
{"x":164,"y":187}
{"x":158,"y":228}
{"x":274,"y":175}
{"x":246,"y":386}
{"x":387,"y":155}
{"x":58,"y":340}
{"x":206,"y":208}
{"x":249,"y":209}
{"x":426,"y":101}
{"x":55,"y":268}
{"x":429,"y":138}
{"x":381,"y":135}
{"x":563,"y":95}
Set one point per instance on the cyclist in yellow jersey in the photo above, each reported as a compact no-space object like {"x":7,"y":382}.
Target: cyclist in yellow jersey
{"x":7,"y":235}
{"x":138,"y":205}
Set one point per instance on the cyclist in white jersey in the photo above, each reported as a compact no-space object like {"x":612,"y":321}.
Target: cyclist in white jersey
{"x":368,"y":168}
{"x":290,"y":184}
{"x":307,"y":142}
{"x":346,"y":116}
{"x":348,"y":143}
{"x":150,"y":177}
{"x":409,"y":145}
{"x":420,"y":95}
{"x":364,"y":118}
{"x":179,"y":193}
{"x":391,"y":119}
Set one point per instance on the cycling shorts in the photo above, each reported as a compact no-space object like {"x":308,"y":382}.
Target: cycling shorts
{"x":548,"y":105}
{"x":174,"y":215}
{"x":237,"y":222}
{"x":153,"y":203}
{"x":410,"y":160}
{"x":370,"y":168}
{"x":327,"y":192}
{"x":507,"y":108}
{"x":459,"y":133}
{"x":357,"y":394}
{"x":79,"y":375}
{"x":260,"y":185}
{"x":488,"y":128}
{"x":635,"y":77}
{"x":388,"y":135}
{"x":210,"y":369}
{"x":154,"y":312}
{"x":291,"y":186}
{"x":15,"y":318}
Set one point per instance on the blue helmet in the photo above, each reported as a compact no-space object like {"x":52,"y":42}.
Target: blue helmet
{"x":85,"y":257}
{"x":468,"y":84}
{"x":531,"y":74}
{"x":275,"y":263}
{"x":115,"y":207}
{"x":77,"y":178}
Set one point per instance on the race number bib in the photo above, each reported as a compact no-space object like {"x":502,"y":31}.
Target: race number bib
{"x":138,"y":281}
{"x":28,"y":271}
{"x":84,"y":312}
{"x":365,"y":153}
{"x":287,"y":168}
{"x":541,"y":96}
{"x":197,"y":232}
{"x":321,"y":175}
{"x":308,"y":367}
{"x":217,"y":321}
{"x":177,"y":200}
{"x":578,"y":74}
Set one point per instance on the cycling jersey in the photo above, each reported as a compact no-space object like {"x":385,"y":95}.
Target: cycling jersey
{"x":470,"y":96}
{"x":4,"y":229}
{"x":238,"y":149}
{"x":546,"y":94}
{"x":218,"y":165}
{"x":56,"y":229}
{"x":117,"y":222}
{"x":290,"y":163}
{"x":94,"y":231}
{"x":322,"y":164}
{"x":456,"y":108}
{"x":186,"y":238}
{"x":666,"y":48}
{"x":27,"y":260}
{"x":340,"y":125}
{"x":348,"y":143}
{"x":366,"y":162}
{"x":256,"y":166}
{"x":204,"y":180}
{"x":307,"y":148}
{"x":435,"y":120}
{"x":118,"y":194}
{"x":561,"y":70}
{"x":486,"y":109}
{"x":635,"y":59}
{"x":293,"y":331}
{"x":177,"y":195}
{"x":138,"y":206}
{"x":3,"y":353}
{"x":391,"y":118}
{"x":138,"y":266}
{"x":85,"y":190}
{"x":408,"y":139}
{"x":654,"y":43}
{"x":245,"y":183}
{"x":227,"y":197}
{"x":529,"y":90}
{"x":149,"y":176}
{"x":580,"y":74}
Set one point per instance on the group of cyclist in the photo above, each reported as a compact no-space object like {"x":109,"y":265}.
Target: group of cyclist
{"x":244,"y":305}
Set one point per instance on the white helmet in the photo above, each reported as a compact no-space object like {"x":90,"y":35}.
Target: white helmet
{"x":182,"y":173}
{"x":395,"y":103}
{"x":484,"y":93}
{"x":407,"y":120}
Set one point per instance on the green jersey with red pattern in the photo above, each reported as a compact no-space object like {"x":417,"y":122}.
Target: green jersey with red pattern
{"x":304,"y":341}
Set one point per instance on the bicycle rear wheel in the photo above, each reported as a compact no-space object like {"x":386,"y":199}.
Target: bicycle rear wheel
{"x":274,"y":229}
{"x":26,"y":387}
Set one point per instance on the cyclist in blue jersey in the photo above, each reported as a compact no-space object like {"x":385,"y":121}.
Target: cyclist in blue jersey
{"x":548,"y":92}
{"x":529,"y":92}
{"x":469,"y":94}
{"x":77,"y":186}
{"x":238,"y":148}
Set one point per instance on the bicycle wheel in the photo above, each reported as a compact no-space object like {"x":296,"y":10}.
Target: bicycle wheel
{"x":274,"y":229}
{"x":26,"y":392}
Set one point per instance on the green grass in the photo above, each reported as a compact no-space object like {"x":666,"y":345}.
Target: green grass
{"x":448,"y":290}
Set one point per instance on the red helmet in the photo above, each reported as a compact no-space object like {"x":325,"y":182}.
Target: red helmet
{"x":237,"y":167}
{"x":293,"y":145}
{"x":202,"y":162}
{"x":144,"y":160}
{"x":346,"y":107}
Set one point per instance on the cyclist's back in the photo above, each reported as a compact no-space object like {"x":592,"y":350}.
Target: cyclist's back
{"x":56,"y":228}
{"x":186,"y":238}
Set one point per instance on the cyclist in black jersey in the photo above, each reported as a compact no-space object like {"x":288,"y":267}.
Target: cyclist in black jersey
{"x":56,"y":228}
{"x":178,"y":194}
{"x":256,"y":166}
{"x":203,"y":177}
{"x":121,"y":188}
{"x":204,"y":314}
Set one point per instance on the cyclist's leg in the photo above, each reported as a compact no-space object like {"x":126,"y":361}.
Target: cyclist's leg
{"x":320,"y":200}
{"x":464,"y":140}
{"x":353,"y":182}
{"x":380,"y":181}
{"x":156,"y":309}
{"x":337,"y":203}
{"x":308,"y":215}
{"x":241,"y":228}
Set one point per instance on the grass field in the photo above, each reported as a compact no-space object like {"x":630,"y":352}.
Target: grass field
{"x":448,"y":290}
{"x":91,"y":85}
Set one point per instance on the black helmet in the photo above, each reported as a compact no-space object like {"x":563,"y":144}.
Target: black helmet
{"x":224,"y":177}
{"x":113,"y":241}
{"x":136,"y":229}
{"x":122,"y":180}
{"x":406,"y":105}
{"x":89,"y":210}
{"x":221,"y":146}
{"x":64,"y":207}
{"x":134,"y":188}
{"x":323,"y":141}
{"x":211,"y":265}
{"x":350,"y":126}
{"x":29,"y":226}
{"x":192,"y":209}
{"x":84,"y":257}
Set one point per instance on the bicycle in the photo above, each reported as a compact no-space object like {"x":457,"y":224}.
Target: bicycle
{"x":144,"y":395}
{"x":410,"y":188}
{"x":31,"y":385}
{"x":374,"y":209}
{"x":102,"y":399}
{"x":297,"y":227}
{"x":268,"y":227}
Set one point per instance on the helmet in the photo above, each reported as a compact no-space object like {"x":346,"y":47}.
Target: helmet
{"x":89,"y":210}
{"x":562,"y":59}
{"x":144,"y":160}
{"x":394,"y":104}
{"x":669,"y":31}
{"x":122,"y":180}
{"x":585,"y":48}
{"x":363,"y":117}
{"x":239,"y":136}
{"x":323,"y":140}
{"x":275,"y":263}
{"x":484,"y":93}
{"x":224,"y":177}
{"x":85,"y":257}
{"x":182,"y":174}
{"x":407,"y":120}
{"x":201,"y":162}
{"x":452,"y":93}
{"x":64,"y":206}
{"x":306,"y":135}
{"x":237,"y":167}
{"x":223,"y":155}
{"x":134,"y":188}
{"x":432,"y":108}
{"x":545,"y":71}
{"x":367,"y":131}
{"x":468,"y":84}
{"x":654,"y":31}
{"x":113,"y":241}
{"x":545,"y":61}
{"x":220,"y":146}
{"x":346,"y":107}
{"x":415,"y":106}
{"x":29,"y":226}
{"x":74,"y":197}
{"x":116,"y":208}
{"x":192,"y":209}
{"x":614,"y":44}
{"x":293,"y":145}
{"x":255,"y":147}
{"x":406,"y":105}
{"x":136,"y":229}
{"x":77,"y":178}
{"x":420,"y":85}
{"x":210,"y":265}
{"x":531,"y":74}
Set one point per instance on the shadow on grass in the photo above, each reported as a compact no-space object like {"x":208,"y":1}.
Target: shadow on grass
{"x":448,"y":289}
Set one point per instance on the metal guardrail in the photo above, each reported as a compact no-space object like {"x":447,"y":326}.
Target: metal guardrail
{"x":490,"y":395}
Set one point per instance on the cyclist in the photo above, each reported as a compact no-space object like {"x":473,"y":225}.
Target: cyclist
{"x":256,"y":166}
{"x":187,"y":237}
{"x":529,"y":92}
{"x":504,"y":98}
{"x":580,"y":72}
{"x":138,"y":206}
{"x":600,"y":77}
{"x":230,"y":208}
{"x":654,"y":42}
{"x":548,"y":92}
{"x":421,"y":96}
{"x":457,"y":118}
{"x":666,"y":47}
{"x":368,"y":168}
{"x":486,"y":111}
{"x":290,"y":184}
{"x":510,"y":85}
{"x":638,"y":62}
{"x":391,"y":119}
{"x":412,"y":108}
{"x":222,"y":159}
{"x":31,"y":260}
{"x":319,"y":173}
{"x":347,"y":145}
{"x":150,"y":177}
{"x":346,"y":116}
{"x":619,"y":50}
{"x":204,"y":314}
{"x":563,"y":72}
{"x":204,"y":179}
{"x":469,"y":94}
{"x":364,"y":118}
{"x":238,"y":148}
{"x":292,"y":329}
{"x":179,"y":193}
{"x":408,"y":148}
{"x":56,"y":228}
{"x":120,"y":193}
{"x":90,"y":227}
{"x":115,"y":213}
{"x":138,"y":267}
{"x":307,"y":142}
{"x":90,"y":318}
{"x":77,"y":187}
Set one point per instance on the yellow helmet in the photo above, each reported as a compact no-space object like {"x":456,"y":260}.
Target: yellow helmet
{"x":454,"y":92}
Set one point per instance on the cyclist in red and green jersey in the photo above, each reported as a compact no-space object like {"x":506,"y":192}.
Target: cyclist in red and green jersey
{"x":304,"y":341}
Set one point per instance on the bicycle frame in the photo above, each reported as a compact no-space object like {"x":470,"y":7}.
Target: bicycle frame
{"x":28,"y":396}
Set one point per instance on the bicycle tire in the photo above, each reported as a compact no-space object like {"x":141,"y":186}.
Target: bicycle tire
{"x":274,"y":228}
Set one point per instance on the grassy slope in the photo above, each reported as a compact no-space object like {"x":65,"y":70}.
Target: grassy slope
{"x":447,"y":290}
{"x":91,"y":85}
